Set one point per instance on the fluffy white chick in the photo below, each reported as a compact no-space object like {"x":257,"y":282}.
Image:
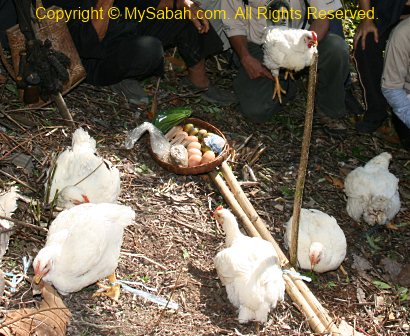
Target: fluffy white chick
{"x":82,"y":176}
{"x":321,"y":242}
{"x":373,"y":192}
{"x":288,"y":48}
{"x":83,"y":246}
{"x":8,"y":204}
{"x":249,"y":269}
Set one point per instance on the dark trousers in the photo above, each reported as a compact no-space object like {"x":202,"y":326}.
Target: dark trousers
{"x":369,"y":63}
{"x":138,"y":53}
{"x":255,"y":96}
{"x":8,"y":18}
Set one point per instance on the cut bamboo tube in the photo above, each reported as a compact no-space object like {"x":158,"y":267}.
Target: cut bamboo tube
{"x":304,"y":157}
{"x":233,"y":203}
{"x":246,"y":205}
{"x":316,"y":315}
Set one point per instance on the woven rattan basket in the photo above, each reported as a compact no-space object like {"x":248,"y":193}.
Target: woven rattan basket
{"x":203,"y":168}
{"x":59,"y":35}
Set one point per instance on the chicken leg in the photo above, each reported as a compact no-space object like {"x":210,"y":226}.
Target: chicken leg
{"x":278,"y":89}
{"x":112,"y":291}
{"x":289,"y":73}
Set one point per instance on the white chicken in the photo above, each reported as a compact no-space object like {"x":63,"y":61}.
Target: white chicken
{"x":249,"y":268}
{"x":82,"y":176}
{"x":288,"y":48}
{"x":321,"y":243}
{"x":8,"y":204}
{"x":83,"y":246}
{"x":373,"y":192}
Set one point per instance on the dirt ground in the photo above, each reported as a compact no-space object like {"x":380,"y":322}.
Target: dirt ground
{"x":172,"y":245}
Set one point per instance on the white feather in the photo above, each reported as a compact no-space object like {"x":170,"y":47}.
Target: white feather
{"x":8,"y":204}
{"x":373,"y":192}
{"x":317,"y":227}
{"x":286,"y":48}
{"x":99,"y":179}
{"x":84,"y":245}
{"x":250,"y":270}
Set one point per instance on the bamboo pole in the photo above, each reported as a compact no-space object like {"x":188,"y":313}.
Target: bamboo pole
{"x":233,"y":203}
{"x":248,"y":208}
{"x":316,"y":315}
{"x":304,"y":157}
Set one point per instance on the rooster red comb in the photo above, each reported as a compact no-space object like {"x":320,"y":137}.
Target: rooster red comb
{"x":314,"y":36}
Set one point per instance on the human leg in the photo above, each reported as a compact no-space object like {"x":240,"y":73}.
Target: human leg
{"x":134,"y":57}
{"x":369,"y":64}
{"x":255,"y":95}
{"x":194,"y":48}
{"x":333,"y":69}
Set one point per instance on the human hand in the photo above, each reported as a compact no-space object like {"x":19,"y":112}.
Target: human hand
{"x":197,"y":16}
{"x":254,"y":68}
{"x":365,"y":27}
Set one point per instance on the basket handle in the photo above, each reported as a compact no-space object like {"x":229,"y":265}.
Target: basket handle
{"x":7,"y":65}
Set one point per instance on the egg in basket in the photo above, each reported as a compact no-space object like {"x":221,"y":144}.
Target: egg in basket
{"x":192,"y":147}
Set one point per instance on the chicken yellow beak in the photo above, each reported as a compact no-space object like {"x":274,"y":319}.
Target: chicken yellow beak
{"x":37,"y":278}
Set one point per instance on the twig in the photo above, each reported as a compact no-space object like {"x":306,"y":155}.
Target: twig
{"x":95,"y":169}
{"x":146,"y":258}
{"x":20,"y":223}
{"x":191,"y":227}
{"x":19,"y":145}
{"x":304,"y":157}
{"x":156,"y":324}
{"x":17,"y":180}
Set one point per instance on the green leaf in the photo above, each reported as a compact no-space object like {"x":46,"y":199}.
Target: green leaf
{"x":403,"y":293}
{"x":165,"y":120}
{"x":12,"y":88}
{"x":381,"y":284}
{"x":372,"y":243}
{"x":331,"y":284}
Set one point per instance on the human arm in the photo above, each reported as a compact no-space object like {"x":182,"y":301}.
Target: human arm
{"x":101,"y":24}
{"x":320,"y":27}
{"x":236,"y":28}
{"x":399,"y":102}
{"x":396,"y":72}
{"x":365,"y":27}
{"x":196,"y":16}
{"x":253,"y":67}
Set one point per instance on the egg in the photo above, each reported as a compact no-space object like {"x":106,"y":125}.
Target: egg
{"x":194,"y":151}
{"x":194,"y":144}
{"x":194,"y":160}
{"x":208,"y":156}
{"x":191,"y":138}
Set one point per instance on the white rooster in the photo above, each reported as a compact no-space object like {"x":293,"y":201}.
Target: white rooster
{"x":288,"y":48}
{"x":373,"y":192}
{"x":321,"y":243}
{"x":82,"y":176}
{"x":249,"y":268}
{"x":8,"y":204}
{"x":83,"y":246}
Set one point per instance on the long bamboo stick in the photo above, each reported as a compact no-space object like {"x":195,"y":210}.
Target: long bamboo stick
{"x":247,"y":206}
{"x":233,"y":203}
{"x":316,"y":315}
{"x":304,"y":157}
{"x":291,"y":288}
